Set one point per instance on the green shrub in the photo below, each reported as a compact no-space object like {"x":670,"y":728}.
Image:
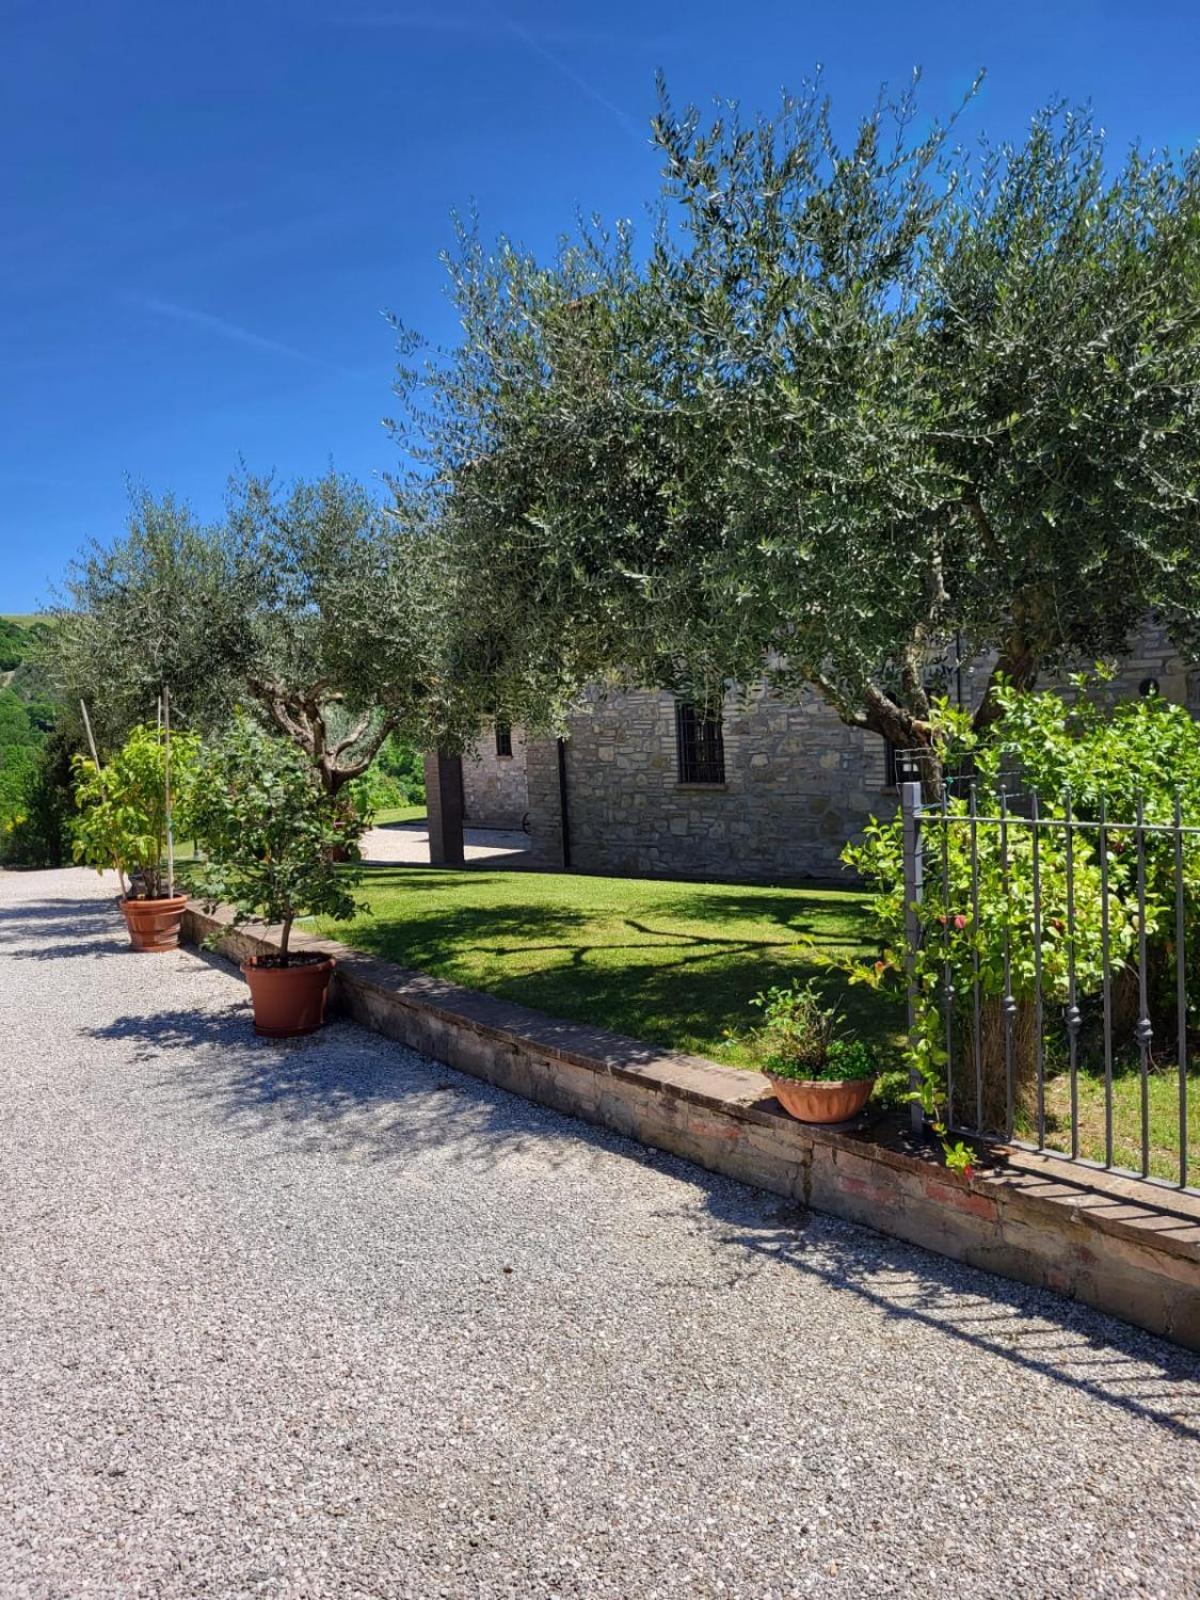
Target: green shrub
{"x":274,"y":838}
{"x":1095,"y":753}
{"x":800,"y":1038}
{"x":36,"y":829}
{"x":396,"y":777}
{"x":122,"y":807}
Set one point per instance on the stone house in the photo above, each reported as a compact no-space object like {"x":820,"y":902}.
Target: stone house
{"x":642,"y":785}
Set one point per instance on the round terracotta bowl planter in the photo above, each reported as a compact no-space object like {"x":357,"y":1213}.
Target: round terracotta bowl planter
{"x":154,"y":924}
{"x":813,"y":1100}
{"x":288,"y":1001}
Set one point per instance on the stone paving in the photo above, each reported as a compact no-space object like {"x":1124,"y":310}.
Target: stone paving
{"x":329,"y":1320}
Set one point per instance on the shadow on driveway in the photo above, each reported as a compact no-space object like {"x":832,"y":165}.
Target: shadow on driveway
{"x":61,"y":927}
{"x":347,"y":1094}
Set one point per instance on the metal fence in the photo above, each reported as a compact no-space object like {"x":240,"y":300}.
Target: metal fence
{"x":1054,"y":975}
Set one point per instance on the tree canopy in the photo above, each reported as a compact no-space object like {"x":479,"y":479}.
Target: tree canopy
{"x":846,"y":403}
{"x":310,"y":604}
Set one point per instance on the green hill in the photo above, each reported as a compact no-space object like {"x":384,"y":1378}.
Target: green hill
{"x":27,"y":753}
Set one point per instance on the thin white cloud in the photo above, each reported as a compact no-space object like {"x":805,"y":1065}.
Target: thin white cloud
{"x":223,"y":328}
{"x":533,"y":43}
{"x":460,"y":26}
{"x":536,"y":40}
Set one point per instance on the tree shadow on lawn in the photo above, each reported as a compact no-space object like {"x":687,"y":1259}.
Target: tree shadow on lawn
{"x":799,"y":909}
{"x":665,"y":984}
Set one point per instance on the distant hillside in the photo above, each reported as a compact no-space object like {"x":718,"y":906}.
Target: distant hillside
{"x":24,"y":685}
{"x":20,"y":670}
{"x":19,"y":637}
{"x":27,"y":721}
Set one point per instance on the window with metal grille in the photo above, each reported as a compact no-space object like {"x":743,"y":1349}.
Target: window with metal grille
{"x":891,"y":765}
{"x":905,"y":765}
{"x":503,"y":739}
{"x":700,"y":745}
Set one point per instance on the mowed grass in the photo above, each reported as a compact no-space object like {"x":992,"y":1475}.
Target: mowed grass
{"x":1162,"y":1120}
{"x":389,"y":814}
{"x":675,"y":964}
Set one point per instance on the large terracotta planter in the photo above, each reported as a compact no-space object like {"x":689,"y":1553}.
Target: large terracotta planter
{"x":812,"y":1100}
{"x":154,"y":924}
{"x":288,"y":1001}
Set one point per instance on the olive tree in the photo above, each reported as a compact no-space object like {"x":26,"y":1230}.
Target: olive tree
{"x":312,"y":605}
{"x":847,"y":404}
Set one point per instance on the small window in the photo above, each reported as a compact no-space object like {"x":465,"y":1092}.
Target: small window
{"x":701,"y":746}
{"x":899,"y":766}
{"x":891,"y":765}
{"x":503,"y":739}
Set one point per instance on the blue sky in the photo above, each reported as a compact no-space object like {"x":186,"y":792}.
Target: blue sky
{"x":206,"y":208}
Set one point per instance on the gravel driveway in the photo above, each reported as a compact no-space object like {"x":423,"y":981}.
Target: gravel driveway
{"x":408,"y":842}
{"x":329,"y":1320}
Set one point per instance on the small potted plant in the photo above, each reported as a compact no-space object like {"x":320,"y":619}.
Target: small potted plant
{"x":818,"y":1075}
{"x":273,"y":839}
{"x":125,"y":823}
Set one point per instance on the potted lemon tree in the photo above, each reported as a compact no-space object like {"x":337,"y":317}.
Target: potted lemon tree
{"x":275,"y":842}
{"x":817,"y":1073}
{"x":124,"y":824}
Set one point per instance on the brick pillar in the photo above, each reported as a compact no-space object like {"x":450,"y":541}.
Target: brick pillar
{"x":444,"y":800}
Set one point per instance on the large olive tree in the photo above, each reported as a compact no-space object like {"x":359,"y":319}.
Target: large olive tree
{"x":846,"y":404}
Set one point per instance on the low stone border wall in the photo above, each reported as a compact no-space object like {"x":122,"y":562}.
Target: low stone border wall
{"x":1127,"y":1248}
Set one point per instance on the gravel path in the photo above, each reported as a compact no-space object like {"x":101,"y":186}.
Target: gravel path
{"x":408,"y":842}
{"x":329,"y":1320}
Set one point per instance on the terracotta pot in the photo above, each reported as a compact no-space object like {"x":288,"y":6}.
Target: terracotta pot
{"x":812,"y":1100}
{"x":288,"y":1001}
{"x":154,"y":924}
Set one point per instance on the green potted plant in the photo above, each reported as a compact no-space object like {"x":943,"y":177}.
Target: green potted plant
{"x":818,"y":1074}
{"x":273,"y":839}
{"x":126,"y":809}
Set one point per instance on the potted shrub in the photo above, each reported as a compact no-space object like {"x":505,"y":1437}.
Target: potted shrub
{"x":125,"y":823}
{"x":817,"y":1074}
{"x":273,"y":838}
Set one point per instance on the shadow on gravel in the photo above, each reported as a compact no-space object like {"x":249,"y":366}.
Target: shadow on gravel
{"x":1030,"y":1328}
{"x":343,"y":1092}
{"x":46,"y":930}
{"x":347,"y":1094}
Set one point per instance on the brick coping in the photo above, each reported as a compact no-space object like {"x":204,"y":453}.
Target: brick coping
{"x":1155,"y":1217}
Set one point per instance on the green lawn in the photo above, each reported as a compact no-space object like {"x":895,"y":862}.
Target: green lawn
{"x":675,"y":964}
{"x":387,"y":814}
{"x":1162,"y":1121}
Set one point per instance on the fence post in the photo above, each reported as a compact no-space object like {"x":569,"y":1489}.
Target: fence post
{"x":914,"y":888}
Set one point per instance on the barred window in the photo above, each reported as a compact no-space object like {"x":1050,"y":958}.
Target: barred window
{"x":503,"y":739}
{"x":891,"y":765}
{"x":700,"y":744}
{"x":900,"y":765}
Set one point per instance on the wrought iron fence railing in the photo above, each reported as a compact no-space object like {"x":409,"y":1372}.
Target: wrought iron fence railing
{"x":1054,"y":975}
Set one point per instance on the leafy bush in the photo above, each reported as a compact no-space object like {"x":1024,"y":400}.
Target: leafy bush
{"x":799,"y":1038}
{"x":273,"y":836}
{"x":1095,"y":754}
{"x":122,"y":806}
{"x":36,"y":828}
{"x":396,"y":777}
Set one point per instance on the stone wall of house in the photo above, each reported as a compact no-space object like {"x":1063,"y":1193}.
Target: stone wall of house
{"x":545,"y":808}
{"x":494,"y":786}
{"x":798,"y":784}
{"x":1153,"y":656}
